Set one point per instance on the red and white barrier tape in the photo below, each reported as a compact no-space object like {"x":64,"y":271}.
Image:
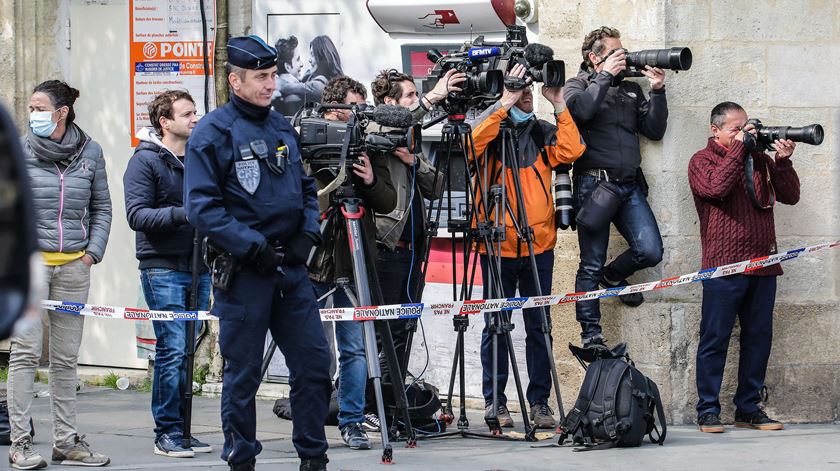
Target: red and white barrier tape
{"x":477,"y":306}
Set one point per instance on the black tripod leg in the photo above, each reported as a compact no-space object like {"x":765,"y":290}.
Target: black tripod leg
{"x":269,"y":353}
{"x":400,"y":399}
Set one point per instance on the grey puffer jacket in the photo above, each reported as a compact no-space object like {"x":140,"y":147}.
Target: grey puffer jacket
{"x":72,"y":200}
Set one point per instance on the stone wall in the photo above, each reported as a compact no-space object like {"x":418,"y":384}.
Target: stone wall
{"x":760,"y":59}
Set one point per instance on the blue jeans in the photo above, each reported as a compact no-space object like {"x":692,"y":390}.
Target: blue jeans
{"x":517,"y":272}
{"x":637,"y":224}
{"x":352,"y":364}
{"x":168,"y":290}
{"x":751,"y":300}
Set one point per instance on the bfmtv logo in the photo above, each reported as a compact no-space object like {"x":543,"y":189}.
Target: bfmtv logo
{"x":150,"y":50}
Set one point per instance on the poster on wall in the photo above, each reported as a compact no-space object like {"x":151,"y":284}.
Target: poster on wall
{"x":307,"y":51}
{"x":167,"y":52}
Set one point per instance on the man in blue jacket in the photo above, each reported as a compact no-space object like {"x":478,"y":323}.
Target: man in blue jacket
{"x":154,"y":187}
{"x":246,"y":190}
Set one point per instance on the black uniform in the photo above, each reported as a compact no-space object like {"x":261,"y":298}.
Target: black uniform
{"x":244,"y":203}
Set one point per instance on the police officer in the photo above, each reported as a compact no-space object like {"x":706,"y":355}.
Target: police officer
{"x":247,"y":192}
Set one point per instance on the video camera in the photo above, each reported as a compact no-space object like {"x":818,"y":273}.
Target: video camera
{"x":486,"y":65}
{"x":812,"y":134}
{"x":331,"y":144}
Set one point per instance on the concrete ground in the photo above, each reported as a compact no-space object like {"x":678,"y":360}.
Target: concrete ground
{"x":119,"y":424}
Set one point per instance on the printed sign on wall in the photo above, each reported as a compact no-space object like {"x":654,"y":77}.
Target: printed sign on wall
{"x":167,"y":52}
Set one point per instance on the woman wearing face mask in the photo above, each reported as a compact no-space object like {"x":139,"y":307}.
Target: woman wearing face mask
{"x":325,"y":64}
{"x":70,"y":191}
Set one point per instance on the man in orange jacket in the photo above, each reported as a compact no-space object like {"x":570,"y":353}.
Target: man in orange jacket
{"x":542,"y":147}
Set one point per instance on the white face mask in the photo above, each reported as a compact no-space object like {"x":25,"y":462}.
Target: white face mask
{"x":41,"y":123}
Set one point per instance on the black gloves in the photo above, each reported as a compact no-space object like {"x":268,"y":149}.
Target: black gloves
{"x":298,"y":247}
{"x":266,"y":259}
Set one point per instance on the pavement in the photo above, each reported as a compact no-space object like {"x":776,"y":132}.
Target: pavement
{"x":119,"y":424}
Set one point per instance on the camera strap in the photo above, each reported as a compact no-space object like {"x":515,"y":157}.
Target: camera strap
{"x":749,"y":182}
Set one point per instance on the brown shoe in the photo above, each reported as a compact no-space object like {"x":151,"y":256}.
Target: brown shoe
{"x":710,"y":423}
{"x":505,"y":420}
{"x":757,"y":420}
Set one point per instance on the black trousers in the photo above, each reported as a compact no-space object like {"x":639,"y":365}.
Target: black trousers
{"x":750,"y":299}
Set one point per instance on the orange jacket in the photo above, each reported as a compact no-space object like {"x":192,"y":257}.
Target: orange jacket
{"x":563,"y":145}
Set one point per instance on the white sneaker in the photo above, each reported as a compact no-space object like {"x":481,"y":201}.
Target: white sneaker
{"x":23,"y":456}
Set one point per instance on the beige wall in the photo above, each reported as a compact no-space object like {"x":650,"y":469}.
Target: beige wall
{"x":773,"y":60}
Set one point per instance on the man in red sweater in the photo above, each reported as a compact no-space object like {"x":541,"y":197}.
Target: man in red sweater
{"x":737,"y":224}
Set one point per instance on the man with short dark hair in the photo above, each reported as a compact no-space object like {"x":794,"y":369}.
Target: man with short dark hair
{"x":332,"y":261}
{"x":736,"y":225}
{"x":246,"y":190}
{"x":154,"y":203}
{"x":611,"y":114}
{"x":542,"y":147}
{"x":400,"y":232}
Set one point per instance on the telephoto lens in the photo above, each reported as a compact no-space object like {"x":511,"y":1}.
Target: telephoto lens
{"x":563,"y":211}
{"x":675,"y":58}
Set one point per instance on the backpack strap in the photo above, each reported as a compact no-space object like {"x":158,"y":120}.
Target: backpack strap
{"x":616,"y":372}
{"x":660,"y":413}
{"x":584,"y":400}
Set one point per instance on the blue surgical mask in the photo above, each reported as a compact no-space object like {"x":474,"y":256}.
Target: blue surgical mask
{"x":519,"y":116}
{"x":41,"y":123}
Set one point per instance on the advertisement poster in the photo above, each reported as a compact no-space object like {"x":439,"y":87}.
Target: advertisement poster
{"x":167,"y":52}
{"x":308,"y":57}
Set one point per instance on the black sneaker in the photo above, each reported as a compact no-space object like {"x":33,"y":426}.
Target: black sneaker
{"x":597,"y":343}
{"x":355,"y":437}
{"x":710,"y":423}
{"x":314,"y":464}
{"x":249,"y":465}
{"x":757,"y":420}
{"x":172,"y":447}
{"x":632,"y":300}
{"x":371,"y":423}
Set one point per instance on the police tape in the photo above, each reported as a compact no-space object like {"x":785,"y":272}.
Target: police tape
{"x":451,"y":308}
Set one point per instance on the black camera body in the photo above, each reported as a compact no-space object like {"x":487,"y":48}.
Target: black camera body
{"x":538,"y":59}
{"x":486,"y":65}
{"x":481,"y":80}
{"x":369,"y":130}
{"x":812,"y":134}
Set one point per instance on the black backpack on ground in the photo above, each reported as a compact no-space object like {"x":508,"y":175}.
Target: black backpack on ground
{"x":615,"y":406}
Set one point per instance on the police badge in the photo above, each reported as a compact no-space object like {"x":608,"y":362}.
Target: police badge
{"x":248,"y":174}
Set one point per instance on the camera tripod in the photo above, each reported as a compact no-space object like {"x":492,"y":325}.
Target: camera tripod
{"x":508,"y":151}
{"x":475,"y":228}
{"x":351,"y":209}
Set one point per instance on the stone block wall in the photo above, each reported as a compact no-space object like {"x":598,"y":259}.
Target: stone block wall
{"x":775,"y":61}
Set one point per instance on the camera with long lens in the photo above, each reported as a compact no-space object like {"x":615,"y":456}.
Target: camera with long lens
{"x":766,"y":135}
{"x":369,"y":130}
{"x":675,"y":58}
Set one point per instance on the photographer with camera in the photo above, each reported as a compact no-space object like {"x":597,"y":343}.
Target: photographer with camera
{"x":609,"y":186}
{"x":542,"y":146}
{"x":735,"y":186}
{"x":332,"y":261}
{"x":400,"y":233}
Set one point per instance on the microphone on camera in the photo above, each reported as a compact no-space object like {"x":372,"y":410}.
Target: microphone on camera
{"x":392,"y":116}
{"x":537,"y":54}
